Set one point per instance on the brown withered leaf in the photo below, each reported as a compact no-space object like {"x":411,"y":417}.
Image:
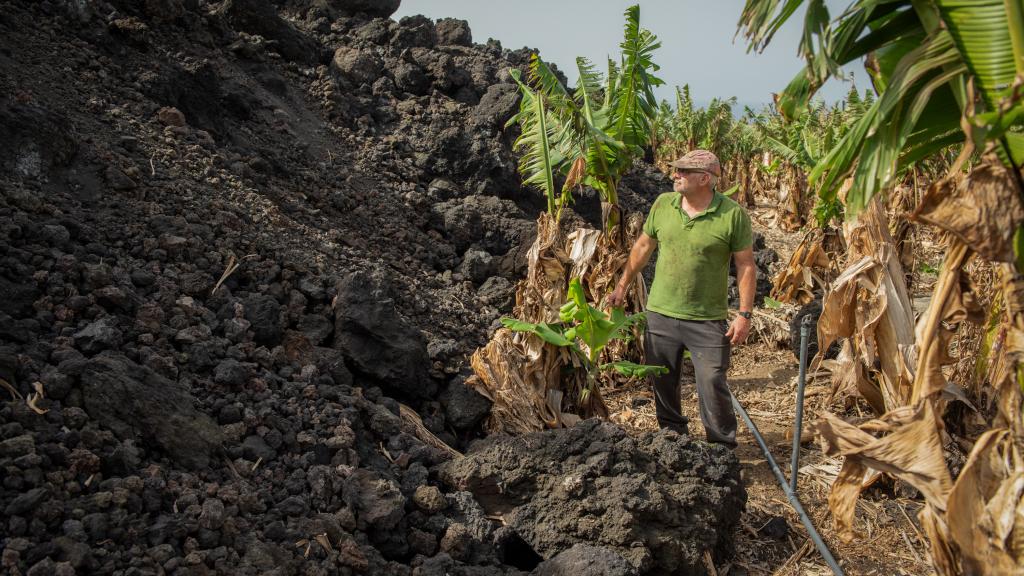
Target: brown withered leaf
{"x":838,"y":315}
{"x":808,"y":264}
{"x":933,"y":337}
{"x":910,"y":450}
{"x":848,"y":379}
{"x":944,"y":559}
{"x":983,"y":210}
{"x":985,"y":515}
{"x":842,"y":499}
{"x":540,"y":294}
{"x":518,"y":371}
{"x":1007,"y":352}
{"x":869,"y":304}
{"x":413,"y":423}
{"x":576,"y":173}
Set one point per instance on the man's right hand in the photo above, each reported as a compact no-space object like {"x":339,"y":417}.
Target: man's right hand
{"x":617,"y":297}
{"x":638,"y":257}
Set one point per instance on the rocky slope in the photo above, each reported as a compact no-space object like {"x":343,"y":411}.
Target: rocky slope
{"x":233,"y":236}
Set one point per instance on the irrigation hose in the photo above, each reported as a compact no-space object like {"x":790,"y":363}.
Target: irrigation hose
{"x":794,"y":462}
{"x":793,"y":500}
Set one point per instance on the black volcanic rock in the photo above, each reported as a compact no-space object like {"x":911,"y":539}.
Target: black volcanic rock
{"x":134,"y":401}
{"x":592,"y":482}
{"x":379,"y":342}
{"x":230,"y":243}
{"x":260,"y":17}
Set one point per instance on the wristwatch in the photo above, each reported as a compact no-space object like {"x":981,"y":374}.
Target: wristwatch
{"x":746,"y":315}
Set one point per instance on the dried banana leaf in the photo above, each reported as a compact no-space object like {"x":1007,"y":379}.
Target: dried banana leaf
{"x":936,"y":328}
{"x":809,"y":265}
{"x":414,"y":424}
{"x":517,"y":371}
{"x":983,"y":210}
{"x":868,"y":304}
{"x":542,"y":292}
{"x":944,"y":558}
{"x":910,"y":450}
{"x":985,"y":515}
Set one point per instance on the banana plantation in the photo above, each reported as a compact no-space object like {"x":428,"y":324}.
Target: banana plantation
{"x":904,"y":204}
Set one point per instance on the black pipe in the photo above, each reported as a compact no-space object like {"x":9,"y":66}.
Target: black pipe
{"x":801,"y":381}
{"x":793,"y":500}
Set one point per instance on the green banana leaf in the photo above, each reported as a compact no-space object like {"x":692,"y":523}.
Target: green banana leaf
{"x":634,"y":370}
{"x":545,"y":331}
{"x":921,"y":52}
{"x":538,"y":157}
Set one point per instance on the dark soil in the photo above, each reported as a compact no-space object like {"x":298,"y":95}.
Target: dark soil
{"x":233,"y":237}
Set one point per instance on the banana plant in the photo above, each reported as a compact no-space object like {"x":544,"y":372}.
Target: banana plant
{"x":804,"y":141}
{"x":586,"y":331}
{"x":921,"y":55}
{"x":591,"y":135}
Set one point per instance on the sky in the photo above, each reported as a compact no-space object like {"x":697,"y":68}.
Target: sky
{"x":697,"y":45}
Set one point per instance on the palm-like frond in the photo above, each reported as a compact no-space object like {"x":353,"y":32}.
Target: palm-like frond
{"x":871,"y":148}
{"x":782,"y":150}
{"x":635,"y":103}
{"x":588,"y":89}
{"x":538,"y":158}
{"x":989,"y":35}
{"x":591,"y":134}
{"x":559,"y":101}
{"x":921,"y":56}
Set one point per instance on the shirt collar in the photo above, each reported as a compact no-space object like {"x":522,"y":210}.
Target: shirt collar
{"x":716,"y":201}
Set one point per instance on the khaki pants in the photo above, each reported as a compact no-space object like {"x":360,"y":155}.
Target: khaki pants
{"x":665,"y":341}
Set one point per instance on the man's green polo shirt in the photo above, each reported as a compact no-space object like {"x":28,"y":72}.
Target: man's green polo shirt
{"x":691,"y":276}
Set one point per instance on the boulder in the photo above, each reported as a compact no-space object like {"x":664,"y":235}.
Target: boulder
{"x":659,"y":501}
{"x":134,"y":401}
{"x":373,"y":8}
{"x":260,"y":17}
{"x":586,"y":560}
{"x":264,"y":315}
{"x":379,"y":342}
{"x":331,"y":362}
{"x":477,"y":265}
{"x":377,"y":501}
{"x":453,"y":32}
{"x":98,"y":336}
{"x":409,"y":77}
{"x":499,"y":103}
{"x":414,"y":31}
{"x":357,"y":66}
{"x":465,"y":407}
{"x":498,"y":292}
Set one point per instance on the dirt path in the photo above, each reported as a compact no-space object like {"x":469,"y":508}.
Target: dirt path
{"x":771,"y":539}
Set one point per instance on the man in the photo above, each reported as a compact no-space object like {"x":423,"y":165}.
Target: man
{"x":697,"y":230}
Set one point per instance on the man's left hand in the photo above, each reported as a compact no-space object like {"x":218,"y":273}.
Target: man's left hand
{"x":738,"y":330}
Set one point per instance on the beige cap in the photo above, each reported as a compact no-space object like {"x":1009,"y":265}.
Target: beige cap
{"x":699,"y":160}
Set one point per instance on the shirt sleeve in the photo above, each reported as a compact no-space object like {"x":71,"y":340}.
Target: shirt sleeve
{"x":742,"y":233}
{"x":649,"y":227}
